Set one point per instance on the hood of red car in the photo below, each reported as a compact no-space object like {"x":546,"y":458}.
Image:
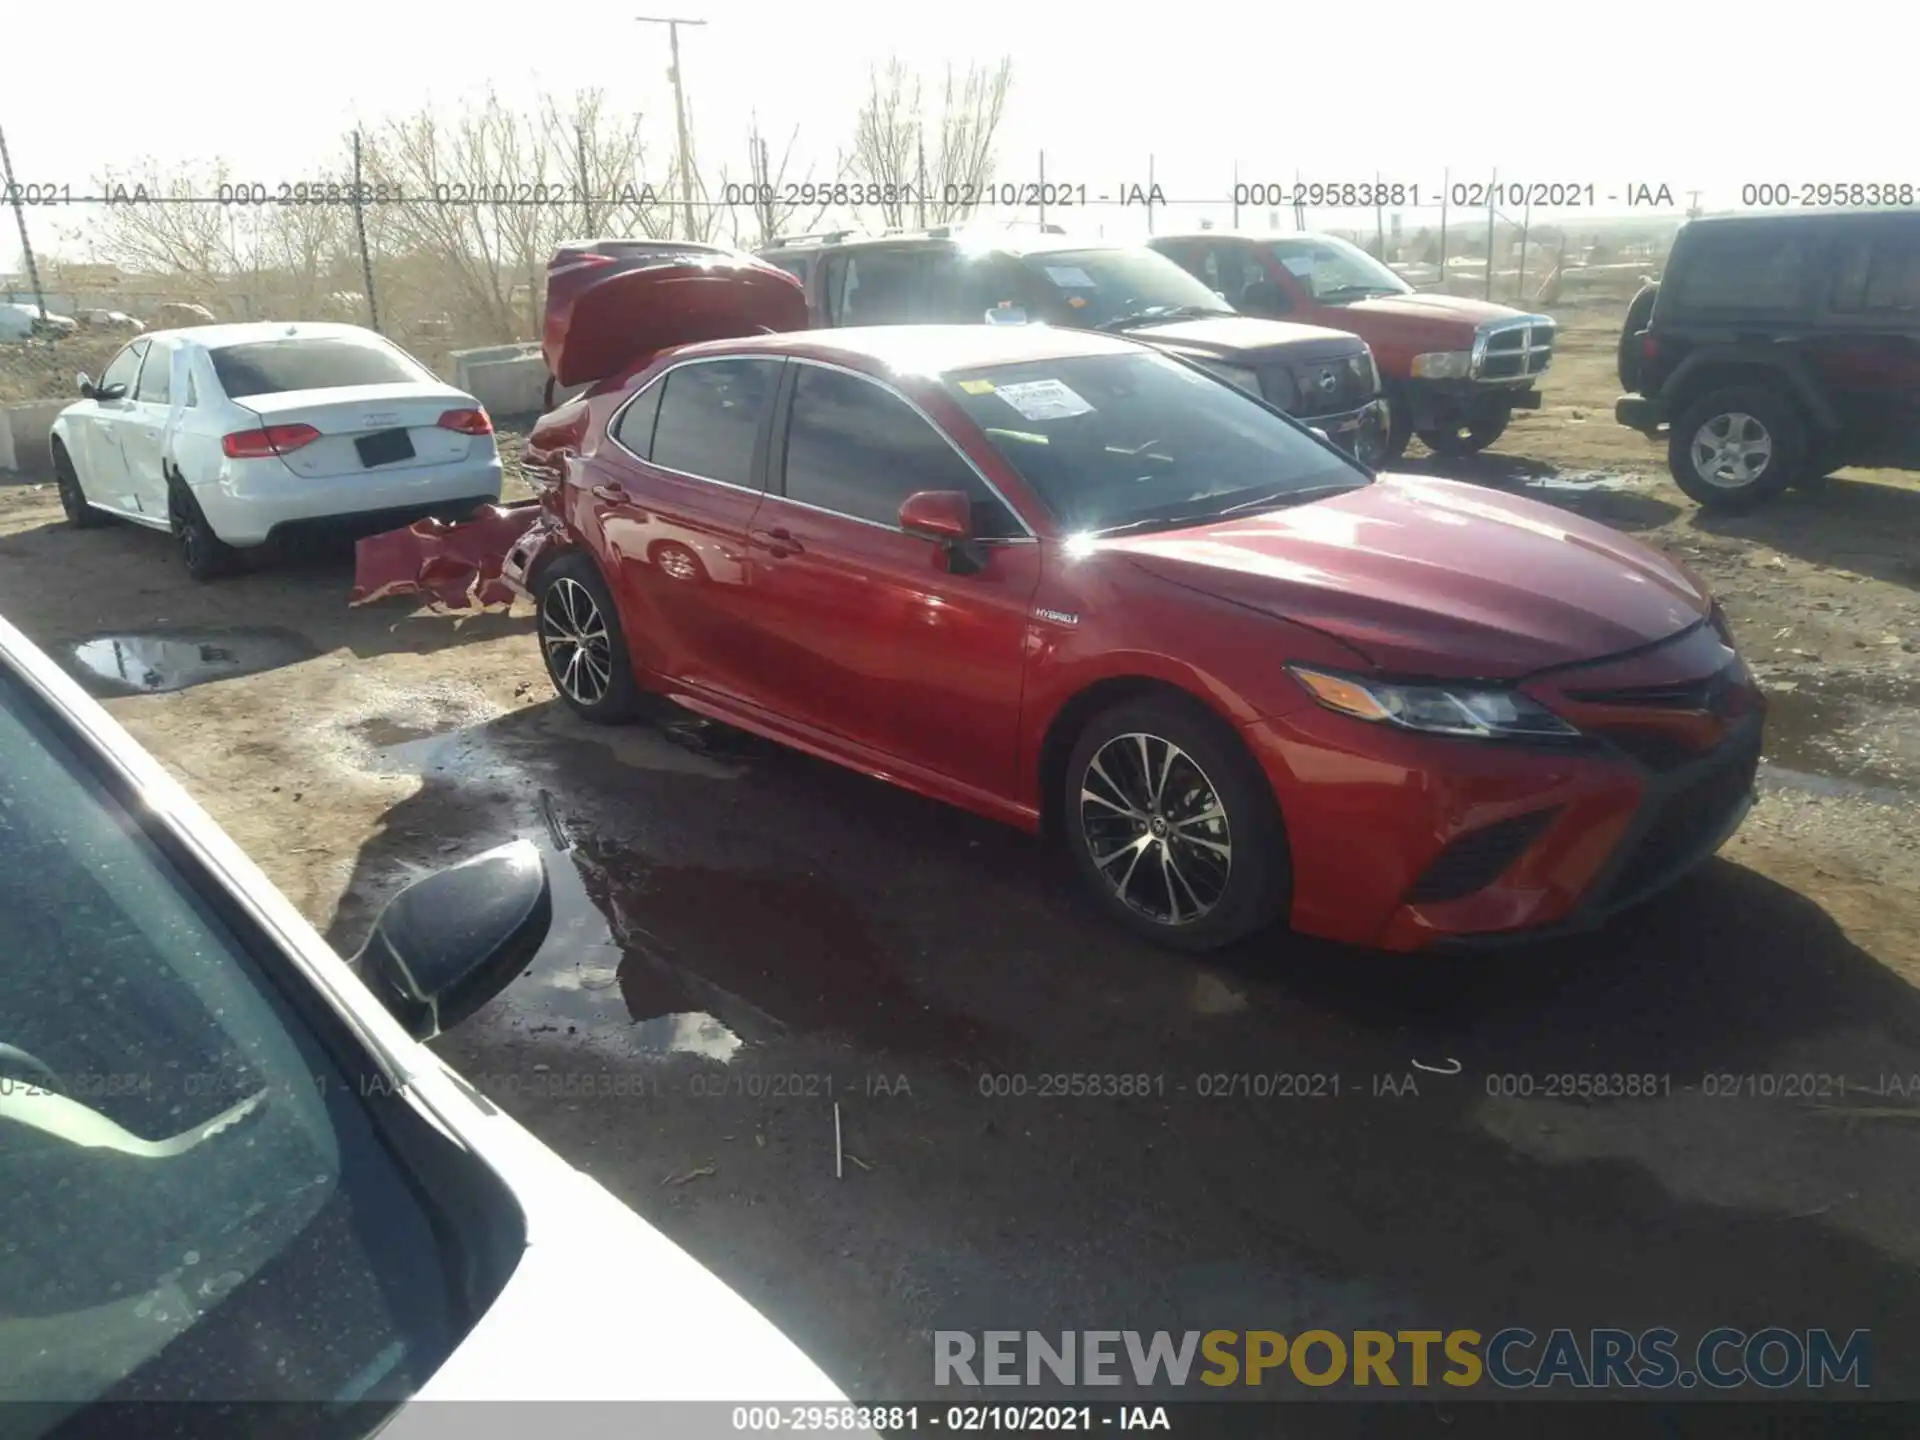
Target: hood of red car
{"x":1434,"y":307}
{"x":1436,"y":578}
{"x":603,"y":314}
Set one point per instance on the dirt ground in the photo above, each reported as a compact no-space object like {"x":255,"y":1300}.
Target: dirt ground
{"x":735,"y":919}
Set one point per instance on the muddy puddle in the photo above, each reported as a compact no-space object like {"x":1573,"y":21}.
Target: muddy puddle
{"x":1845,"y":735}
{"x":155,"y":661}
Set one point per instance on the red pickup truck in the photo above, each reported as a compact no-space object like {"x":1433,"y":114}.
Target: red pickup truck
{"x":1454,"y":369}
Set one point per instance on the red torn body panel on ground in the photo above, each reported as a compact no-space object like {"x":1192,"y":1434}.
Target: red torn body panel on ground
{"x":457,"y":565}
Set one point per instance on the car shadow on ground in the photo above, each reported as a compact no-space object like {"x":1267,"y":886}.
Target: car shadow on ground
{"x":1595,"y":495}
{"x":827,"y":919}
{"x":1848,"y":523}
{"x":62,"y":584}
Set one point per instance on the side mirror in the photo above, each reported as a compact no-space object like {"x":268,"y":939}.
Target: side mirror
{"x":85,"y":382}
{"x":1006,"y":315}
{"x":446,"y":945}
{"x":942,"y":515}
{"x":109,"y":392}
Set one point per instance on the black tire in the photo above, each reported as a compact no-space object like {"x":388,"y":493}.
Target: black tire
{"x":1469,"y":438}
{"x":204,"y":554}
{"x":1227,"y":902}
{"x":1627,"y":358}
{"x":73,"y":499}
{"x":591,"y":673}
{"x":1750,"y":415}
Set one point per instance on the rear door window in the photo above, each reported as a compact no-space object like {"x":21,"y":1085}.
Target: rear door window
{"x":1745,"y":268}
{"x":896,"y":287}
{"x":156,"y":375}
{"x":634,"y":428}
{"x":710,"y":416}
{"x":268,"y":367}
{"x":1879,"y":271}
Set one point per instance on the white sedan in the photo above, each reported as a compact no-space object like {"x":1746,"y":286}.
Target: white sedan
{"x":229,"y":435}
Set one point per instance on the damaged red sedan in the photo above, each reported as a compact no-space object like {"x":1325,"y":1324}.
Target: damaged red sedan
{"x":1087,"y":589}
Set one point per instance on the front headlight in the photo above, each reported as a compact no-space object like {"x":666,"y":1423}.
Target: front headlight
{"x":1443,"y":365}
{"x":1247,"y":380}
{"x":1486,"y":712}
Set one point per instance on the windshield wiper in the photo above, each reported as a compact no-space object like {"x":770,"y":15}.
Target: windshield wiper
{"x":1162,"y":312}
{"x":1274,"y":500}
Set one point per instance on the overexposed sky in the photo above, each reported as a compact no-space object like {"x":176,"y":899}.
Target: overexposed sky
{"x":1695,"y":95}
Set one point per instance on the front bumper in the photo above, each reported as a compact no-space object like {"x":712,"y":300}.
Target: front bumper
{"x":1361,"y":432}
{"x":1639,"y":412}
{"x":1381,"y":806}
{"x":1438,"y":404}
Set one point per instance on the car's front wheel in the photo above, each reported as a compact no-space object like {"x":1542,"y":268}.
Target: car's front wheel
{"x":581,"y":642}
{"x":204,"y":553}
{"x":73,"y":499}
{"x":1469,"y":437}
{"x":1173,"y":827}
{"x":1734,"y":448}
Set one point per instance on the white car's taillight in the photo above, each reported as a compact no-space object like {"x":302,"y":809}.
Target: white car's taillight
{"x":262,"y":444}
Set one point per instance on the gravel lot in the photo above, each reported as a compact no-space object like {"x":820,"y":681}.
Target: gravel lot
{"x":737,"y":924}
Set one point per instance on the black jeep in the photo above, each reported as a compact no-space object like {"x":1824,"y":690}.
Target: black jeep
{"x":1777,"y":348}
{"x":1322,"y":378}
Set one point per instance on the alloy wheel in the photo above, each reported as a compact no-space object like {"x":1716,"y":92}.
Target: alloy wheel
{"x":186,"y":528}
{"x":1732,"y":450}
{"x":574,"y":636}
{"x":1156,"y":829}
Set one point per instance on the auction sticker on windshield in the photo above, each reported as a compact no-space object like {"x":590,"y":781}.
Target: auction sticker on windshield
{"x":977,"y":387}
{"x":1044,"y":400}
{"x":1072,"y":277}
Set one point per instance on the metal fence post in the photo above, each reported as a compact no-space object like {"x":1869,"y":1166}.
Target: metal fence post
{"x":360,"y":232}
{"x":20,"y":217}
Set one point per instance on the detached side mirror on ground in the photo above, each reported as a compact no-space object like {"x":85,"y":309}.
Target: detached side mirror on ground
{"x":446,"y":945}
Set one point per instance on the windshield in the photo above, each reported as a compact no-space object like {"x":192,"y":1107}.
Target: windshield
{"x":1334,"y":270}
{"x":1143,"y":440}
{"x":195,"y":1202}
{"x":270,"y":366}
{"x":1100,"y":287}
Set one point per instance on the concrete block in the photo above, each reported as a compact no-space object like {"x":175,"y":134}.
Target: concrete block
{"x":24,"y":446}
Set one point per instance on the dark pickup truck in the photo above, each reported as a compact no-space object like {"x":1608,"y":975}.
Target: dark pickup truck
{"x":1323,"y":378}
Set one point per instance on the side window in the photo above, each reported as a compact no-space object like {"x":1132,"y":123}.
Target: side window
{"x":709,"y":418}
{"x":1879,"y":272}
{"x":125,"y":368}
{"x":1752,"y":268}
{"x":834,"y":287}
{"x":885,"y":287}
{"x":854,"y":449}
{"x":634,"y":430}
{"x":156,"y":376}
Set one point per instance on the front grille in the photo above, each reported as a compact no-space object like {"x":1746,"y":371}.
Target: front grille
{"x":1327,"y":387}
{"x":1476,"y":859}
{"x":1687,"y":819}
{"x":1654,"y":749}
{"x":1518,"y":353}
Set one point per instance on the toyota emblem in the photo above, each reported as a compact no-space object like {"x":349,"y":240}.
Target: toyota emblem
{"x":1329,"y":381}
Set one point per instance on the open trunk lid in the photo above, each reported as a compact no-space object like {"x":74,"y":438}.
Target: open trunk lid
{"x":610,"y":302}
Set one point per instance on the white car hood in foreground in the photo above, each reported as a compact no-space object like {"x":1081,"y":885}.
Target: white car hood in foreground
{"x":605,"y":1307}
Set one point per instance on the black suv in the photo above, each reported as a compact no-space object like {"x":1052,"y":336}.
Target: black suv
{"x":1778,"y":348}
{"x":1322,"y":378}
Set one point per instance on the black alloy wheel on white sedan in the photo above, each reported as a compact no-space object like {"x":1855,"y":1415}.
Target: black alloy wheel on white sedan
{"x":73,"y":499}
{"x":204,"y":553}
{"x":1173,"y":826}
{"x":580,"y":640}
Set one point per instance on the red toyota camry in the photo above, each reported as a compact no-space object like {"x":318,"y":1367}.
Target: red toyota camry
{"x":1086,"y":588}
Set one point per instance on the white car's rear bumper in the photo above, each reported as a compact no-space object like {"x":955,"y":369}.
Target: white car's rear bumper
{"x":249,"y":499}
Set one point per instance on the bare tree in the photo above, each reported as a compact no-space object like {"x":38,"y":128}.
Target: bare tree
{"x":781,"y":205}
{"x":933,"y":172}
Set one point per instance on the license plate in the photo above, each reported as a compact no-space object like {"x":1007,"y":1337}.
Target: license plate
{"x":387,"y":447}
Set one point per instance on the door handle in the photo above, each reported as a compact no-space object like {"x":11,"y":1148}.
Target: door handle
{"x":777,"y":542}
{"x":612,"y":494}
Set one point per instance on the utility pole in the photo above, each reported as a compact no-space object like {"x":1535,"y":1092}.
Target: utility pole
{"x":20,"y":217}
{"x":673,"y":25}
